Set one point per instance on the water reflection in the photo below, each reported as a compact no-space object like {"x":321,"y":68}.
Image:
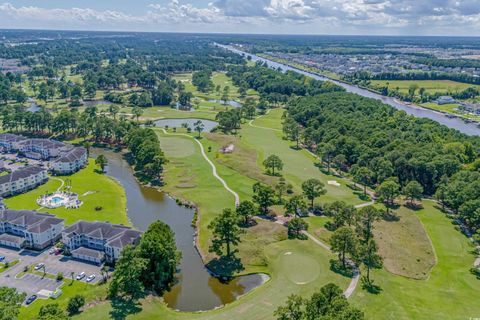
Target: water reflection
{"x":195,"y":289}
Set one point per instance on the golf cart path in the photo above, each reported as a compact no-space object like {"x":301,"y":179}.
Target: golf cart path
{"x":214,"y":168}
{"x":250,"y":123}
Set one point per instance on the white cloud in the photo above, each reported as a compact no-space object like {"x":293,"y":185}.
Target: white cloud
{"x":310,"y":16}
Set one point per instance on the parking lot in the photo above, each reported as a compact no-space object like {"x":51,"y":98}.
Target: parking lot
{"x":14,"y":162}
{"x":32,"y":284}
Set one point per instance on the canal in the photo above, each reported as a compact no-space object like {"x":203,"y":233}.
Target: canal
{"x":455,"y":123}
{"x":196,"y":289}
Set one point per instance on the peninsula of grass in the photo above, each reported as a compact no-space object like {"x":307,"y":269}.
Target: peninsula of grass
{"x":103,"y":198}
{"x":5,"y":266}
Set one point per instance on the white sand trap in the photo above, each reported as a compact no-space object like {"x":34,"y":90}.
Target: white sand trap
{"x":287,"y":253}
{"x":333,"y":183}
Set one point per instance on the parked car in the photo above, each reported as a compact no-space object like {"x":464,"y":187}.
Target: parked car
{"x":30,"y":299}
{"x":51,"y":251}
{"x":90,"y":278}
{"x":39,"y":266}
{"x":81,"y":276}
{"x":2,"y":258}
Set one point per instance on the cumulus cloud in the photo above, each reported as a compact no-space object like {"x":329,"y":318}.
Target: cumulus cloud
{"x":220,"y":15}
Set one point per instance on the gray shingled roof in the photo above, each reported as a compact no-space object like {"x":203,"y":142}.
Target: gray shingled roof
{"x":12,"y":238}
{"x":114,"y":234}
{"x":21,"y":174}
{"x":43,"y":143}
{"x":88,"y":252}
{"x":35,"y":222}
{"x":72,"y":155}
{"x":10,"y":137}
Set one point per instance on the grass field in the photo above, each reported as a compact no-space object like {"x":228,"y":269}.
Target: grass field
{"x":102,"y":191}
{"x":450,"y":292}
{"x":431,"y":86}
{"x":404,"y":245}
{"x":295,"y":266}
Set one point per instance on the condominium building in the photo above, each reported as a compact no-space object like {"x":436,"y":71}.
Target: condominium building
{"x":70,"y":162}
{"x":11,"y":142}
{"x":22,"y":180}
{"x":98,"y":241}
{"x":41,"y":148}
{"x":24,"y":228}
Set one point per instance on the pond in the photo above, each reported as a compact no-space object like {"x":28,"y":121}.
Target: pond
{"x":177,"y":123}
{"x":231,"y":103}
{"x":89,"y":103}
{"x":196,"y":289}
{"x":33,"y":107}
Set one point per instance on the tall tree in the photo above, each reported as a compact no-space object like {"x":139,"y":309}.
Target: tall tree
{"x":101,"y":161}
{"x":263,"y":196}
{"x":295,"y":205}
{"x":273,"y":162}
{"x":370,"y":258}
{"x":313,"y":188}
{"x":413,"y":191}
{"x":245,"y":211}
{"x":225,"y":232}
{"x":344,"y":242}
{"x":10,"y":303}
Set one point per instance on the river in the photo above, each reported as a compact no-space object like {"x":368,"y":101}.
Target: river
{"x":455,"y":123}
{"x":196,"y":289}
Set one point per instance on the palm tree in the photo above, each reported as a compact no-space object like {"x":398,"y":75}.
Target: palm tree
{"x":102,"y":161}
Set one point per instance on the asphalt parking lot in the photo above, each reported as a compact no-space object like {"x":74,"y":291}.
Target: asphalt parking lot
{"x":32,"y":284}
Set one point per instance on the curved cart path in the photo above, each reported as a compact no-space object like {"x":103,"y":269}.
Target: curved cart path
{"x":214,"y":168}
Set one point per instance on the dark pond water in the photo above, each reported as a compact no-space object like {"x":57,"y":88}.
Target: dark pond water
{"x":196,"y":288}
{"x":33,"y":106}
{"x":89,"y":103}
{"x":232,"y":103}
{"x":177,"y":123}
{"x":455,"y":123}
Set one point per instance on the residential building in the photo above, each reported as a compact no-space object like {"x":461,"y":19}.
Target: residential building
{"x":11,"y":142}
{"x":41,"y":148}
{"x":21,"y":180}
{"x":98,"y":241}
{"x":31,"y":229}
{"x":445,"y":100}
{"x":70,"y":162}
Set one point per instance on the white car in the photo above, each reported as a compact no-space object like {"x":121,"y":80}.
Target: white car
{"x":90,"y":278}
{"x":39,"y":266}
{"x":81,"y":276}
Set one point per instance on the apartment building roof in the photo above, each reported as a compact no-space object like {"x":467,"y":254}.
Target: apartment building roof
{"x":36,"y":222}
{"x":21,"y":174}
{"x":72,"y":155}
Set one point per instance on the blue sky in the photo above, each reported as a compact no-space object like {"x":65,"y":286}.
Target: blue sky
{"x":369,"y":17}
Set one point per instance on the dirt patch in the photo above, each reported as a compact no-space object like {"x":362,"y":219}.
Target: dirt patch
{"x":405,"y":246}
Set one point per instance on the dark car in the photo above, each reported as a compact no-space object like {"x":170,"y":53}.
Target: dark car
{"x":31,"y":299}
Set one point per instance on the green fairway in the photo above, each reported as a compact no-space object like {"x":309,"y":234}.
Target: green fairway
{"x":451,"y":291}
{"x":103,"y":198}
{"x":299,"y":165}
{"x":295,"y":266}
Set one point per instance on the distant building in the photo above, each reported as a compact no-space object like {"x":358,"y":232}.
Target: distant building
{"x":445,"y":100}
{"x":11,"y":142}
{"x":21,"y":180}
{"x":470,"y":107}
{"x":30,"y":229}
{"x":70,"y":162}
{"x":98,"y":241}
{"x":41,"y":148}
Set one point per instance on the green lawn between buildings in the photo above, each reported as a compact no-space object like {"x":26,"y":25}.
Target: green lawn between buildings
{"x":94,"y":189}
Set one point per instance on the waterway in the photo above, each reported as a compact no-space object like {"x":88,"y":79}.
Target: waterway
{"x":455,"y":123}
{"x":177,"y":123}
{"x":196,"y":289}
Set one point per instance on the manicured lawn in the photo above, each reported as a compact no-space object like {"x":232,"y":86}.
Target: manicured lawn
{"x":431,"y":86}
{"x":451,"y":108}
{"x":299,"y":165}
{"x":450,"y":292}
{"x":94,"y":189}
{"x":10,"y":264}
{"x":295,"y":266}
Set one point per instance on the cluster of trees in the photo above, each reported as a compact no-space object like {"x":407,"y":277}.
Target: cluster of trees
{"x":230,"y":120}
{"x":327,"y":303}
{"x":276,"y":87}
{"x":9,"y":88}
{"x":147,"y":155}
{"x":202,"y":80}
{"x":150,"y":265}
{"x":353,"y":238}
{"x":375,"y":142}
